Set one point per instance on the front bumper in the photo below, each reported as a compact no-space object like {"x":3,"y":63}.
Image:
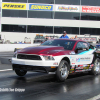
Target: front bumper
{"x":46,"y":69}
{"x":34,"y":65}
{"x":34,"y":62}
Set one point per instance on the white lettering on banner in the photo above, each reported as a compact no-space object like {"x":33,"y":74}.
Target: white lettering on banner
{"x":91,"y":9}
{"x":93,"y":39}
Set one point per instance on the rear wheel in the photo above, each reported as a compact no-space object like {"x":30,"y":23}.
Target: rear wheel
{"x":62,"y":71}
{"x":96,"y":67}
{"x":20,"y":72}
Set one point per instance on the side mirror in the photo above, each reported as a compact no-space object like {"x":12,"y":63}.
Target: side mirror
{"x":79,"y":48}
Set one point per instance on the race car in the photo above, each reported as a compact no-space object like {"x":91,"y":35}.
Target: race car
{"x":98,"y":46}
{"x":58,"y":56}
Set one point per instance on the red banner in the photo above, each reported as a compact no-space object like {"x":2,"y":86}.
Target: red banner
{"x":88,"y":39}
{"x":91,"y":9}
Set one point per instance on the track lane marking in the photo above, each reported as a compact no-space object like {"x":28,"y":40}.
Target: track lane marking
{"x":95,"y":97}
{"x":5,"y":70}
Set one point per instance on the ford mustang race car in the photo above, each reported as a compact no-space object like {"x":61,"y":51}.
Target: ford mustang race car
{"x":58,"y":56}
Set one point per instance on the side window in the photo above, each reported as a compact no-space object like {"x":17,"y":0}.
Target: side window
{"x":79,"y":45}
{"x":82,"y":45}
{"x":85,"y":46}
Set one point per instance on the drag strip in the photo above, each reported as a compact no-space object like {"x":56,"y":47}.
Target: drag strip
{"x":41,"y":86}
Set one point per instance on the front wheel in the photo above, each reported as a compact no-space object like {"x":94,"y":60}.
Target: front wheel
{"x":96,"y":67}
{"x":62,"y":71}
{"x":20,"y":72}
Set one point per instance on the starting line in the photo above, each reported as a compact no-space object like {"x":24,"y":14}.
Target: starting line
{"x":95,"y":97}
{"x":5,"y":70}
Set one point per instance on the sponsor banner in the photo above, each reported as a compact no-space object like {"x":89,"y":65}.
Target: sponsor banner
{"x":40,"y":7}
{"x":19,"y":6}
{"x":67,"y":8}
{"x":88,"y":39}
{"x":90,"y":9}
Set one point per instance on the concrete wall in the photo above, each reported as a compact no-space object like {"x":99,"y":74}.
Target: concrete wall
{"x":11,"y":47}
{"x":12,"y":36}
{"x":20,"y":37}
{"x":50,"y":22}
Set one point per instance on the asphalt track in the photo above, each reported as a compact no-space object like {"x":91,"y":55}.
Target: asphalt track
{"x":40,"y":86}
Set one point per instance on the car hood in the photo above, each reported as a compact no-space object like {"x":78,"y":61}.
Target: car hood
{"x":44,"y":50}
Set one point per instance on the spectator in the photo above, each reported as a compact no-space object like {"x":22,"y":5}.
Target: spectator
{"x":72,"y":38}
{"x":64,"y":35}
{"x":46,"y":39}
{"x":99,"y":40}
{"x":75,"y":37}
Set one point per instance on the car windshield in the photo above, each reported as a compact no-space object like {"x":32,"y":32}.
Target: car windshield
{"x":39,"y":37}
{"x":67,"y":44}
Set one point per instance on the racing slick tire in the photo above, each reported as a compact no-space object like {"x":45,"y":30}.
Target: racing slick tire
{"x":20,"y":72}
{"x":96,"y":67}
{"x":62,"y":71}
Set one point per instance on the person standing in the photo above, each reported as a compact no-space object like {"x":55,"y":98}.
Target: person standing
{"x":75,"y":37}
{"x":64,"y":35}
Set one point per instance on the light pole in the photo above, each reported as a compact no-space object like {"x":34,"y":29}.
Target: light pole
{"x":80,"y":18}
{"x":53,"y":17}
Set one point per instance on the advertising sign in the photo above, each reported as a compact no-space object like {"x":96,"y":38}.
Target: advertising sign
{"x":40,"y":7}
{"x":90,"y":9}
{"x":19,"y":6}
{"x":88,"y":39}
{"x":67,"y":8}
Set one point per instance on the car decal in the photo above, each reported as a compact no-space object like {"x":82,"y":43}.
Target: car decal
{"x":80,"y":68}
{"x":81,"y":59}
{"x":90,"y":51}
